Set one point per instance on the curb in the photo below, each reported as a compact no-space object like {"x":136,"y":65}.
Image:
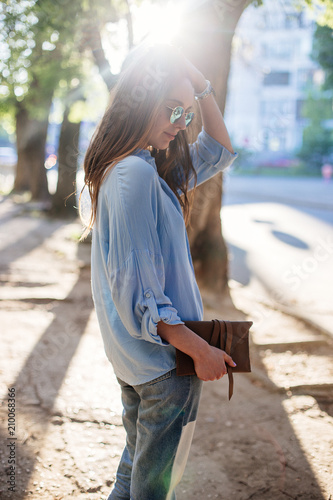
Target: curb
{"x":288,"y":201}
{"x":297,"y":315}
{"x":289,"y":311}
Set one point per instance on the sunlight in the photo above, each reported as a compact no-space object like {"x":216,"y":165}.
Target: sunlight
{"x":156,"y":23}
{"x":151,"y":23}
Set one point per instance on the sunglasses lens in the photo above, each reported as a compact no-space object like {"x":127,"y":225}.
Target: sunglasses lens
{"x":189,"y":117}
{"x":176,"y":114}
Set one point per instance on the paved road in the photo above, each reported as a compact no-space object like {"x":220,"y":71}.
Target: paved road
{"x":280,"y":237}
{"x":298,"y":191}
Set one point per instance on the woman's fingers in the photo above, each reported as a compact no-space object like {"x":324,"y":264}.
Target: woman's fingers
{"x":212,"y":366}
{"x":197,"y":78}
{"x":228,"y":359}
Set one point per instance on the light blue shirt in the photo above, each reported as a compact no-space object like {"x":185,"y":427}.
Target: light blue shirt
{"x":141,"y":264}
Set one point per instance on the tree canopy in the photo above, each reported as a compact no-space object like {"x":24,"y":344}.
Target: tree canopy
{"x":323,"y":53}
{"x":324,"y":9}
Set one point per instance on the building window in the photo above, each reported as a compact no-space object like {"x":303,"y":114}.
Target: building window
{"x":279,"y":50}
{"x":293,"y":20}
{"x":273,"y":20}
{"x":276,"y":78}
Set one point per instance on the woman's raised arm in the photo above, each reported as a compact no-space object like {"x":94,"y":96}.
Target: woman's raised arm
{"x":211,"y":115}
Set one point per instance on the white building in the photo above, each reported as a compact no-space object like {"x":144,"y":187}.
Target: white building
{"x":271,"y":70}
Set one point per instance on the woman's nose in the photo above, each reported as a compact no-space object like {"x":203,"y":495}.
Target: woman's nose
{"x":180,"y":123}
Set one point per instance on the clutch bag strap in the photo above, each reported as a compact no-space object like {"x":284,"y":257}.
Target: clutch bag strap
{"x":216,"y":335}
{"x":228,"y":344}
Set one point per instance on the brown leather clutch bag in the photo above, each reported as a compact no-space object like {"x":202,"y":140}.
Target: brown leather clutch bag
{"x":230,"y":336}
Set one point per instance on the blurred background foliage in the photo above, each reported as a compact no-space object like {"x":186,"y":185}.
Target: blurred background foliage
{"x":51,"y":51}
{"x":57,"y":54}
{"x":47,"y":57}
{"x":317,"y":144}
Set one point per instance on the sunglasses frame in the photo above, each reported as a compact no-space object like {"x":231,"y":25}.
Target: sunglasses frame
{"x":189,"y":115}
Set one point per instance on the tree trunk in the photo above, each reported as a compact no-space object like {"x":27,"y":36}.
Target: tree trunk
{"x":129,"y":21}
{"x":92,"y":38}
{"x":64,"y":199}
{"x":31,"y":139}
{"x":209,"y":31}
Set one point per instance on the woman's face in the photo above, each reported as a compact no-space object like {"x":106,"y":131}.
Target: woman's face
{"x":182,"y":94}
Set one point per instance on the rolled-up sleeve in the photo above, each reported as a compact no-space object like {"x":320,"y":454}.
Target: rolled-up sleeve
{"x":135,"y":263}
{"x":209,"y":157}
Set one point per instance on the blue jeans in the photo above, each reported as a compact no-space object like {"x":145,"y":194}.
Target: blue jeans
{"x":159,"y":419}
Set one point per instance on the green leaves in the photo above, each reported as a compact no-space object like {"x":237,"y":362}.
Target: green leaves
{"x":323,"y":53}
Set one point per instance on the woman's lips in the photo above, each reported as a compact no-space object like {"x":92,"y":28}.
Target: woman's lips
{"x":170,"y":136}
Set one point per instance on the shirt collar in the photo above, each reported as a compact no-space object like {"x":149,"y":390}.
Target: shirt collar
{"x":145,"y":155}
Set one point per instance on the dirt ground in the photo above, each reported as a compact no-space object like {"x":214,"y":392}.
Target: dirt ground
{"x":272,"y":441}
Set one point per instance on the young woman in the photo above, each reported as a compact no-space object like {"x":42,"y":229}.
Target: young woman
{"x":139,"y":170}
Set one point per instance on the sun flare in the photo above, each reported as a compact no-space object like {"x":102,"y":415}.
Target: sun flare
{"x":156,"y":23}
{"x":152,"y":24}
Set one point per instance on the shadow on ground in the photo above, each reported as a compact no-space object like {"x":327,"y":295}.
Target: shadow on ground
{"x":244,"y":449}
{"x":38,"y":383}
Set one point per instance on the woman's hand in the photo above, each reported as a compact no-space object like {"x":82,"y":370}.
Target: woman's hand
{"x":211,"y":365}
{"x":196,"y":77}
{"x":209,"y":361}
{"x":212,"y":119}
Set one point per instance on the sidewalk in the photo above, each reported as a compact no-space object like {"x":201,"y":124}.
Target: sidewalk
{"x":265,"y":444}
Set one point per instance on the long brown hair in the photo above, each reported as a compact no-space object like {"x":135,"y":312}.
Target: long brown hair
{"x":147,"y":76}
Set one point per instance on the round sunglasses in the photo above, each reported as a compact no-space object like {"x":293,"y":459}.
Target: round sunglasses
{"x":178,"y":112}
